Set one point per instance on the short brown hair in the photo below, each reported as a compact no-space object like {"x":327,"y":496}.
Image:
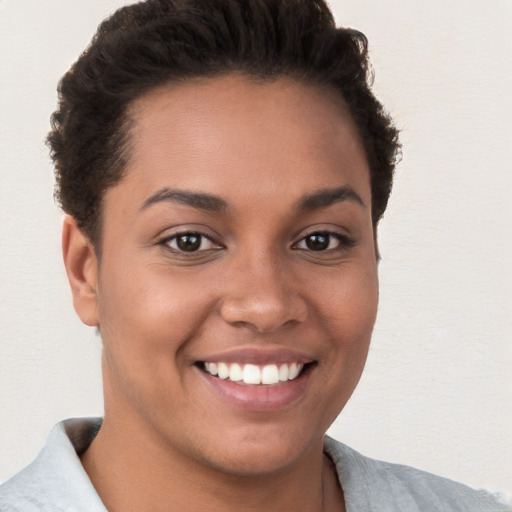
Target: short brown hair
{"x":153,"y":42}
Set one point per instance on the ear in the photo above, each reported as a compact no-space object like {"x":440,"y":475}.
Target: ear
{"x":376,"y":244}
{"x":82,"y":270}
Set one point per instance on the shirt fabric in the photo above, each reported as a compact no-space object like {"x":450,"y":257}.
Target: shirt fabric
{"x":57,"y":482}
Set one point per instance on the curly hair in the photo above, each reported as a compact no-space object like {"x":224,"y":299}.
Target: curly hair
{"x":154,"y":42}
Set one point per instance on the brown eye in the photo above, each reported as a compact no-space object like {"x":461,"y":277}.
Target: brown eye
{"x":324,"y":241}
{"x":189,"y":242}
{"x":318,"y":241}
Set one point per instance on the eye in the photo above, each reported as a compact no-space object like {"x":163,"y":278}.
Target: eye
{"x":324,"y":241}
{"x":190,"y":241}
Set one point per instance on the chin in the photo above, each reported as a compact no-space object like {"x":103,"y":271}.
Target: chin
{"x":258,"y":452}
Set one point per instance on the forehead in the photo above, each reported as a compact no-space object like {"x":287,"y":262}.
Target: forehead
{"x":212,"y":133}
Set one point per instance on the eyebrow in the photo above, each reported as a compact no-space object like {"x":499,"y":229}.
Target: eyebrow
{"x":202,"y":201}
{"x":327,"y":197}
{"x":320,"y":199}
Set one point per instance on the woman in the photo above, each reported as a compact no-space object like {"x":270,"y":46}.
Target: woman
{"x":223,"y":166}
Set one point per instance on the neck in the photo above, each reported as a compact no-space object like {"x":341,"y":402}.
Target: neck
{"x":133,"y":470}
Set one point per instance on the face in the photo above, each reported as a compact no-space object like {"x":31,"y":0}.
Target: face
{"x":237,"y":286}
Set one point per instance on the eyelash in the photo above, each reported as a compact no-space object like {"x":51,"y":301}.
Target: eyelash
{"x":167,"y":241}
{"x":343,"y":242}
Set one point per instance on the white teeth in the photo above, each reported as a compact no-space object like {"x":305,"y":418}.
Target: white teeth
{"x":283,"y":373}
{"x":293,"y":371}
{"x":223,"y":370}
{"x":235,"y":372}
{"x":213,"y":368}
{"x":252,"y":374}
{"x":270,"y":374}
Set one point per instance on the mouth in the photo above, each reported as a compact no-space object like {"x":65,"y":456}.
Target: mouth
{"x":254,"y":375}
{"x":256,"y":380}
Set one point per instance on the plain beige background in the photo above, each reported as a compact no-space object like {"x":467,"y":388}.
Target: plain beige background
{"x":437,"y":389}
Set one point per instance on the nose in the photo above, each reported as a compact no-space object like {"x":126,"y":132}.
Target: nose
{"x":264,"y":297}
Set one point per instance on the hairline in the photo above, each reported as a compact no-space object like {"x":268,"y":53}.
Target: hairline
{"x":128,"y":119}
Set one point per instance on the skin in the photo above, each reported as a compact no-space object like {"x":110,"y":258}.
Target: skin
{"x":168,"y":441}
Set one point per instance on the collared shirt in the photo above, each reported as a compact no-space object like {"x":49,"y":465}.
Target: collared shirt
{"x":57,"y":482}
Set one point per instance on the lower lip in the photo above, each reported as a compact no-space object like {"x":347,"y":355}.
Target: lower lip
{"x":264,"y":398}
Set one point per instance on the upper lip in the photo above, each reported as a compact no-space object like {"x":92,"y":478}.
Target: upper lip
{"x":258,"y":356}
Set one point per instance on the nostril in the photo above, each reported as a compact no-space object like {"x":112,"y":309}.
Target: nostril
{"x":264,"y":313}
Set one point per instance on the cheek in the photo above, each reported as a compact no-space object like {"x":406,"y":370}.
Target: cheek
{"x":144,"y":321}
{"x":348,"y":302}
{"x":345,"y":317}
{"x":348,"y":317}
{"x":148,"y":299}
{"x":147,"y":318}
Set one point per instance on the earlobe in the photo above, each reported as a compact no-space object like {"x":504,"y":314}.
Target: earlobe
{"x":82,"y":270}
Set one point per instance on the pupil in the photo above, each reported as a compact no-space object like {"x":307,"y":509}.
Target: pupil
{"x":189,"y":242}
{"x":317,"y":242}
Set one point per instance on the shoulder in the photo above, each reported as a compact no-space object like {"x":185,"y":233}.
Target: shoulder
{"x":370,"y":484}
{"x":55,"y":480}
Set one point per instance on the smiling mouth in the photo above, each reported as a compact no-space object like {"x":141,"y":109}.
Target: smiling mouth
{"x":252,"y":374}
